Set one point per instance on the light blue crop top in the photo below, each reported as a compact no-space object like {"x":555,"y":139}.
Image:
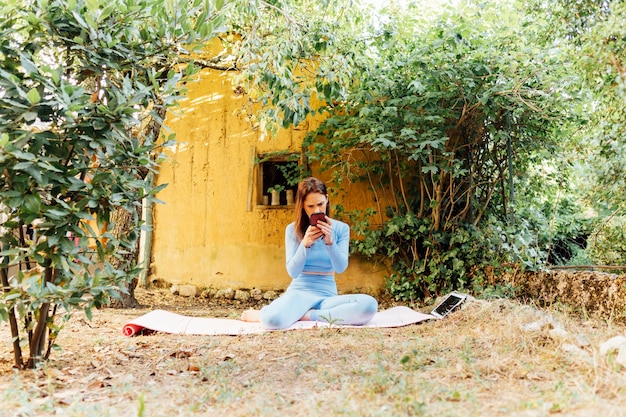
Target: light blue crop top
{"x":319,"y":257}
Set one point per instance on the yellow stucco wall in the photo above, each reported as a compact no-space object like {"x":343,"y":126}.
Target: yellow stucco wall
{"x":207,"y":233}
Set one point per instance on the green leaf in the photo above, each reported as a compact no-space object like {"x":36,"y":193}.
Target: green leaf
{"x":23,"y":166}
{"x":32,"y":203}
{"x":28,"y":65}
{"x":30,"y":116}
{"x":33,"y":96}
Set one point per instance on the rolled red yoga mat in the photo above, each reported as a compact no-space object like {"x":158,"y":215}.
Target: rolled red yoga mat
{"x":132,"y":329}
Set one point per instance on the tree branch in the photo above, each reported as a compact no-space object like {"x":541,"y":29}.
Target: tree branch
{"x":15,"y":335}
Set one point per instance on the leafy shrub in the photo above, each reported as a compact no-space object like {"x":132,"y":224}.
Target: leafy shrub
{"x":438,"y":133}
{"x":423,"y":262}
{"x":607,"y":244}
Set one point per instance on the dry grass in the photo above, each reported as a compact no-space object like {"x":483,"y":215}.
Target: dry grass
{"x":492,"y":358}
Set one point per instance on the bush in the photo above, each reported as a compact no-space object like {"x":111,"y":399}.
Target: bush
{"x":424,"y":262}
{"x":607,"y":244}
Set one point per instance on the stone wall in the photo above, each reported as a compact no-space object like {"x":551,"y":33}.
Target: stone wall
{"x":596,"y":294}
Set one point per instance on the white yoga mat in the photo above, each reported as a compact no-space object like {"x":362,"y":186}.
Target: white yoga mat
{"x":168,"y":322}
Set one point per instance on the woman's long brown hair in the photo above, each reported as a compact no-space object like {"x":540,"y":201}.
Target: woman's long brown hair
{"x":306,"y":187}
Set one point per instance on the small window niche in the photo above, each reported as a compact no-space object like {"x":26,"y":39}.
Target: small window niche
{"x":279,"y":174}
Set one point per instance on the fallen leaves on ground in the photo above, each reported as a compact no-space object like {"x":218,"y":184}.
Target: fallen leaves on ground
{"x":495,"y":357}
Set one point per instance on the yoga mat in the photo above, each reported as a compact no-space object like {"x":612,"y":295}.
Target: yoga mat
{"x":168,"y":322}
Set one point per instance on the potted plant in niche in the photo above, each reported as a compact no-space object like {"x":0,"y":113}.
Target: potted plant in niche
{"x":292,"y":173}
{"x":275,"y":191}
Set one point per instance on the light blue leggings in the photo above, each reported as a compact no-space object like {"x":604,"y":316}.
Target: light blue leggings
{"x":353,"y":309}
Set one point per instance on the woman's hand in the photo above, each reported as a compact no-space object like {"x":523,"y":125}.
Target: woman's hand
{"x":313,"y":233}
{"x":327,"y":230}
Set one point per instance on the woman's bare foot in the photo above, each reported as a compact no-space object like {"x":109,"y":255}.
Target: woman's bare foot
{"x":251,"y":315}
{"x":307,"y":316}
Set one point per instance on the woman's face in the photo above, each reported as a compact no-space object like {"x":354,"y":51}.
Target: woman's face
{"x":315,"y":203}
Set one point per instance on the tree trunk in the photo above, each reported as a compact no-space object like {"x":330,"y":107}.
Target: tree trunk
{"x":123,"y":219}
{"x":17,"y":350}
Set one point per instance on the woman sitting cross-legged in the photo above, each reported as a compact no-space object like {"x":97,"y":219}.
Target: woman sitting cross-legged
{"x":314,"y":254}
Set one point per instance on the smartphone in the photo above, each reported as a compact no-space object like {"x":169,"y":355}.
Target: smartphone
{"x":448,"y":305}
{"x":315,"y":217}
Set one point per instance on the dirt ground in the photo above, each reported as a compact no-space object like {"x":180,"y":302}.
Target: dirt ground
{"x":492,"y":358}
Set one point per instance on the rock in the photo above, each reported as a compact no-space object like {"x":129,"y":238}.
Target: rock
{"x":559,"y":333}
{"x":621,"y":356}
{"x":577,"y":351}
{"x":535,"y":326}
{"x":617,"y":343}
{"x":225,"y":294}
{"x":242,"y":295}
{"x":208,"y":293}
{"x":159,"y":283}
{"x":547,"y":322}
{"x":270,"y":295}
{"x":174,"y":289}
{"x":187,"y":290}
{"x":614,"y":343}
{"x":256,"y":294}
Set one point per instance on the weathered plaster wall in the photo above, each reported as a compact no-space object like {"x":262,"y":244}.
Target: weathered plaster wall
{"x":207,"y":234}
